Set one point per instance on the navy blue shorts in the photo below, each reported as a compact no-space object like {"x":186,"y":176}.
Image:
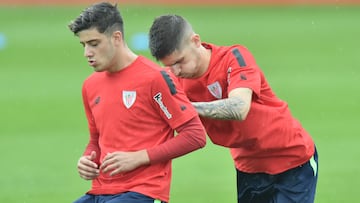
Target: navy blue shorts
{"x":127,"y":197}
{"x":297,"y":185}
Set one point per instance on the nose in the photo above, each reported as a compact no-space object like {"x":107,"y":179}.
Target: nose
{"x":88,"y":52}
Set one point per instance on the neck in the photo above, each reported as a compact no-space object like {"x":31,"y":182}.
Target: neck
{"x":123,"y":59}
{"x":205,"y":56}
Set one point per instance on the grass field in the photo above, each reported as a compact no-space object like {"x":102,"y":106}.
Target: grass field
{"x":309,"y":54}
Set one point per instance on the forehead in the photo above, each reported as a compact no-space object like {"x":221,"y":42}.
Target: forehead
{"x":172,"y":58}
{"x":89,"y":35}
{"x":176,"y":56}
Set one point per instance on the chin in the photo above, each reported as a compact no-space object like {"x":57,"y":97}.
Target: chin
{"x":98,"y":69}
{"x":185,"y":76}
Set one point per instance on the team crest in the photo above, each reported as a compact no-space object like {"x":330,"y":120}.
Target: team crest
{"x":215,"y":89}
{"x":129,"y":98}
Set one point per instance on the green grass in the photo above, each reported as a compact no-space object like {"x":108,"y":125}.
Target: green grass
{"x":309,"y":54}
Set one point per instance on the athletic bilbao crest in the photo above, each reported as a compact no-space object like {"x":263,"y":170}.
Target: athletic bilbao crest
{"x":129,"y":98}
{"x":215,"y":89}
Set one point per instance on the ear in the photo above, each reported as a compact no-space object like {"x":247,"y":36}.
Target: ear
{"x":117,"y":37}
{"x":195,"y":38}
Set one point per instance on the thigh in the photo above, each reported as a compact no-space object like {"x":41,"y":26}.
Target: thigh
{"x":298,"y":184}
{"x":86,"y":199}
{"x":132,"y":197}
{"x":255,"y":188}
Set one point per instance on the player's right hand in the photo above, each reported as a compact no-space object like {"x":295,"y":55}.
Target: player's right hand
{"x":87,"y":168}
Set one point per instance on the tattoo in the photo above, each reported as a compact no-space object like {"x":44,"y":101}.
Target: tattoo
{"x":225,"y":109}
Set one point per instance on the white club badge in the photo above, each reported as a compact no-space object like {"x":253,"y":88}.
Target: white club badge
{"x":215,"y":89}
{"x":129,"y":98}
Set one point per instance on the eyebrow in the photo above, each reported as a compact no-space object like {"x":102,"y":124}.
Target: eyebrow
{"x":87,"y":42}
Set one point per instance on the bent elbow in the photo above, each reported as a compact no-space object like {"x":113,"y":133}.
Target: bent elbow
{"x":200,"y":139}
{"x":243,"y":115}
{"x":202,"y":142}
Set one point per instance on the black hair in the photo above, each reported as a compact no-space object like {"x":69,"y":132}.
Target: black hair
{"x":104,"y":16}
{"x":166,"y":35}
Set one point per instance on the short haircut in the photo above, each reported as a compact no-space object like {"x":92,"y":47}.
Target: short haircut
{"x":104,"y":16}
{"x":167,"y":34}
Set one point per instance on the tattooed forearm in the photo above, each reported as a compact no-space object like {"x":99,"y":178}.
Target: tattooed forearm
{"x":227,"y":109}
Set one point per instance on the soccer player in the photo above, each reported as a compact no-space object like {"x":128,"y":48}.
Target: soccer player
{"x":133,"y":109}
{"x":274,"y":156}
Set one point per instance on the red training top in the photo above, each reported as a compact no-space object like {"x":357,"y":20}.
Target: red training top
{"x":270,"y":139}
{"x":139,"y":108}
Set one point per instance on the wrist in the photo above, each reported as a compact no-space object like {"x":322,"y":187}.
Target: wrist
{"x":144,"y":157}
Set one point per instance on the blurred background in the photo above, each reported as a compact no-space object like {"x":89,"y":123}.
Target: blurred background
{"x":309,"y":51}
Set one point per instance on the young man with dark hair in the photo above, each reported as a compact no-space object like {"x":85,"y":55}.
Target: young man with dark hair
{"x":133,"y":109}
{"x":274,"y":156}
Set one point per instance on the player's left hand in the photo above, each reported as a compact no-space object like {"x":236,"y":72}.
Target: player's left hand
{"x":118,"y":162}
